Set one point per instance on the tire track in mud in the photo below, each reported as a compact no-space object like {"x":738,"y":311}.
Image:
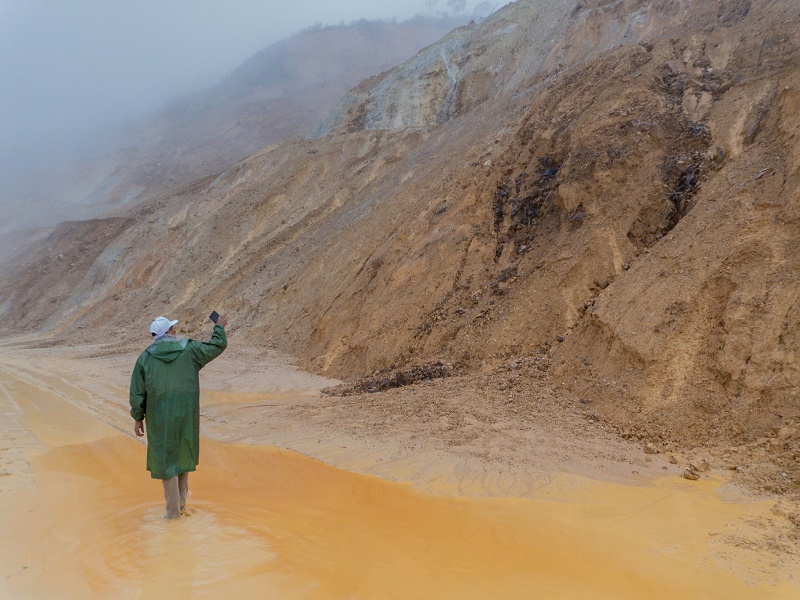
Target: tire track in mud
{"x":55,"y":385}
{"x":16,"y":442}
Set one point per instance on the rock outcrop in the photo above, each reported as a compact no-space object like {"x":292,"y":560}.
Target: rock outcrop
{"x":527,"y":43}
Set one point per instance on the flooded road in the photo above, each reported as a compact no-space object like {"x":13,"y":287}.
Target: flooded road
{"x":81,"y":518}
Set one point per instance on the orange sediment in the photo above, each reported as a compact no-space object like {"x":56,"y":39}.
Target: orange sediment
{"x":81,"y":518}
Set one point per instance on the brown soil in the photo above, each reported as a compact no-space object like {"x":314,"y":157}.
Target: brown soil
{"x":620,"y":222}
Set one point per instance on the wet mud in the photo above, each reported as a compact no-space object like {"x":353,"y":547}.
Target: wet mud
{"x":81,"y":518}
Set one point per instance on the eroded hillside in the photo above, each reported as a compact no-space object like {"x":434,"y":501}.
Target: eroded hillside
{"x":622,"y":198}
{"x":279,"y":94}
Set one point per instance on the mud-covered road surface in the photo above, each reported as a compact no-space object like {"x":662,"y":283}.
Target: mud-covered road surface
{"x":572,"y":512}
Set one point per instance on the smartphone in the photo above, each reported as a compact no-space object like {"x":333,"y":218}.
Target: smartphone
{"x":214,"y":316}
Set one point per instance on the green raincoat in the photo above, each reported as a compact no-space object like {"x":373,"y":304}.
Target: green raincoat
{"x":165,"y":390}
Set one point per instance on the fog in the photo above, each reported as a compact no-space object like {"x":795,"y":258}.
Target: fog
{"x":74,"y":72}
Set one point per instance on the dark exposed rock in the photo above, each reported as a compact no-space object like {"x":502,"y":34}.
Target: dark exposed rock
{"x":391,"y":378}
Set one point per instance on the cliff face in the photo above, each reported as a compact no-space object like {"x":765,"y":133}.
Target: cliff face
{"x":623,"y":195}
{"x":464,"y":69}
{"x":525,"y":43}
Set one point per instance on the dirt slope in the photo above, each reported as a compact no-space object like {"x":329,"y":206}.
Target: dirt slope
{"x":280,"y":93}
{"x":626,"y":203}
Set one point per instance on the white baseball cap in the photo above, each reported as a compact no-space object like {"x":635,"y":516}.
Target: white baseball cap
{"x":160,"y":326}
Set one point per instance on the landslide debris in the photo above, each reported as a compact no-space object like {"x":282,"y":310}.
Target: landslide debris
{"x":391,"y":378}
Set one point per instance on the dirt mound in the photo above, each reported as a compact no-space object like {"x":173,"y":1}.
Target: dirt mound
{"x":391,"y":378}
{"x":625,"y":207}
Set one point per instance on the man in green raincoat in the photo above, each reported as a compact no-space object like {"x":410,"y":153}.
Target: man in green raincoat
{"x":165,"y":391}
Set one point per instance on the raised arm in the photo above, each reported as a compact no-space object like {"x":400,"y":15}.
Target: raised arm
{"x":204,"y":352}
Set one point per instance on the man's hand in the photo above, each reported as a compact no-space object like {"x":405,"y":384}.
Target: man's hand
{"x":138,"y":428}
{"x":222,"y":320}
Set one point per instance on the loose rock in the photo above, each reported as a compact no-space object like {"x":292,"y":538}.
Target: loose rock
{"x":690,"y":474}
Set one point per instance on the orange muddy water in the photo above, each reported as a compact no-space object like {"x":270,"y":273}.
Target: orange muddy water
{"x":81,"y":518}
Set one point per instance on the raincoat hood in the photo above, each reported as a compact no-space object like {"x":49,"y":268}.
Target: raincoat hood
{"x":167,"y":349}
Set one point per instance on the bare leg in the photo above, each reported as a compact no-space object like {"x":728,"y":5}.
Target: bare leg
{"x":172,"y":497}
{"x":183,"y":488}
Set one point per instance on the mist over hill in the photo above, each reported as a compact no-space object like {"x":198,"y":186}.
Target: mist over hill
{"x":280,"y":93}
{"x":613,"y":187}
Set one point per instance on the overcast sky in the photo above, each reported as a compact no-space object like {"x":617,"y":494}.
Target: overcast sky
{"x":70,"y":68}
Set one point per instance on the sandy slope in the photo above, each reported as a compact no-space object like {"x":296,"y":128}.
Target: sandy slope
{"x":619,"y":223}
{"x":636,"y":197}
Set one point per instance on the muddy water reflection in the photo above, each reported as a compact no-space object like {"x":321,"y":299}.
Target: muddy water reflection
{"x":274,"y":524}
